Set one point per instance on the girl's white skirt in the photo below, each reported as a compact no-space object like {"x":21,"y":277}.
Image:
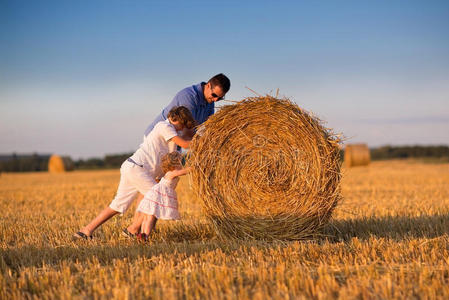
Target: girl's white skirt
{"x":161,"y":201}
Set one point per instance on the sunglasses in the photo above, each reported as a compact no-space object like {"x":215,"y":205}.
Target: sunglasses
{"x":215,"y":95}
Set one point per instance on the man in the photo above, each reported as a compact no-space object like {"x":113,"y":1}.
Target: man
{"x":200,"y":100}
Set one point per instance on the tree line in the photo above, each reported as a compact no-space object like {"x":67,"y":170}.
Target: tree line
{"x":394,"y":152}
{"x":36,"y":162}
{"x":39,"y":162}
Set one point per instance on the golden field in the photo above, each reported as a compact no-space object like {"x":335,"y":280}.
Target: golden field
{"x":388,"y":240}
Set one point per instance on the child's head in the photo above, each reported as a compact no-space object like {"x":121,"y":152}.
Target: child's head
{"x":182,"y":115}
{"x":171,"y":161}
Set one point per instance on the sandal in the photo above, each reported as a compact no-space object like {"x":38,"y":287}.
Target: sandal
{"x":81,"y":236}
{"x":128,"y":234}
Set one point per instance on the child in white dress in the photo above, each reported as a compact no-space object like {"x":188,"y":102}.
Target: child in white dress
{"x":161,"y":201}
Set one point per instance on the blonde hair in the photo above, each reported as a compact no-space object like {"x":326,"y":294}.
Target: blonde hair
{"x":170,"y":161}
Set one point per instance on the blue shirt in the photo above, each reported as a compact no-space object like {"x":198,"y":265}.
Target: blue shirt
{"x":191,"y":97}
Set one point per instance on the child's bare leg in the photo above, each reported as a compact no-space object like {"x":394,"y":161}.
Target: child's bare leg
{"x":137,"y":219}
{"x":135,"y":227}
{"x":148,"y":224}
{"x":102,"y":217}
{"x":145,"y":224}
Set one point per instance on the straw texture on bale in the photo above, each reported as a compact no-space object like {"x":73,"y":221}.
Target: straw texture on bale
{"x":266,"y":169}
{"x":357,"y":155}
{"x":58,"y":164}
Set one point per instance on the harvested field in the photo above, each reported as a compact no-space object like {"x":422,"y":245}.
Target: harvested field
{"x":387,"y":239}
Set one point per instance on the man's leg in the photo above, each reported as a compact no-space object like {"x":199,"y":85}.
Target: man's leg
{"x":102,"y":217}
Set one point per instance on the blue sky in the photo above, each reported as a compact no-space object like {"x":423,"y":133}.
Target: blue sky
{"x":85,"y":78}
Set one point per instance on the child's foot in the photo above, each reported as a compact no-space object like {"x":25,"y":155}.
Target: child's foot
{"x":142,"y":237}
{"x":81,"y":236}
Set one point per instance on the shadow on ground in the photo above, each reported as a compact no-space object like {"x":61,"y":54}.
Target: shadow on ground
{"x":181,"y":240}
{"x":187,"y":240}
{"x":393,"y":227}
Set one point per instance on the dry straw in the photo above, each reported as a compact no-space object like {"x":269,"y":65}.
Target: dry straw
{"x":58,"y":164}
{"x":357,"y":155}
{"x":266,"y":169}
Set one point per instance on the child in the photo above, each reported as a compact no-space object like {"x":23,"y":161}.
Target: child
{"x":138,"y":173}
{"x":161,"y":201}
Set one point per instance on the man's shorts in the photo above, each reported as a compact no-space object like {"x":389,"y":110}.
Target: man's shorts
{"x":133,"y":179}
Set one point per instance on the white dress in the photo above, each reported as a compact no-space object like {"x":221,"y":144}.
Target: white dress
{"x":161,"y":200}
{"x":138,"y":174}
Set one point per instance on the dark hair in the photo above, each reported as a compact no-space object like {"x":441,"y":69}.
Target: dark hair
{"x":183,"y":115}
{"x":222,"y":81}
{"x":170,"y":161}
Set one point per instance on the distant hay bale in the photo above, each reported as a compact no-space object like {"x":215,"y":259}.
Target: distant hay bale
{"x":357,"y":155}
{"x":266,"y":169}
{"x":58,"y":164}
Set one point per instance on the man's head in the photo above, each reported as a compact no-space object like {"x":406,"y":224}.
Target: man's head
{"x":216,"y":88}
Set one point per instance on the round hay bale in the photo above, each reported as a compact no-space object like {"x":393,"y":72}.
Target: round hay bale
{"x":265,"y":169}
{"x":58,"y":164}
{"x":357,"y":155}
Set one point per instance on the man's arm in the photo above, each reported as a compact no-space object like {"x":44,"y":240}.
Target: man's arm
{"x":183,"y":99}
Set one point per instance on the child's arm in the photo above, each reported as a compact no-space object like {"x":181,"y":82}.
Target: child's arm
{"x":183,"y":143}
{"x":175,"y":173}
